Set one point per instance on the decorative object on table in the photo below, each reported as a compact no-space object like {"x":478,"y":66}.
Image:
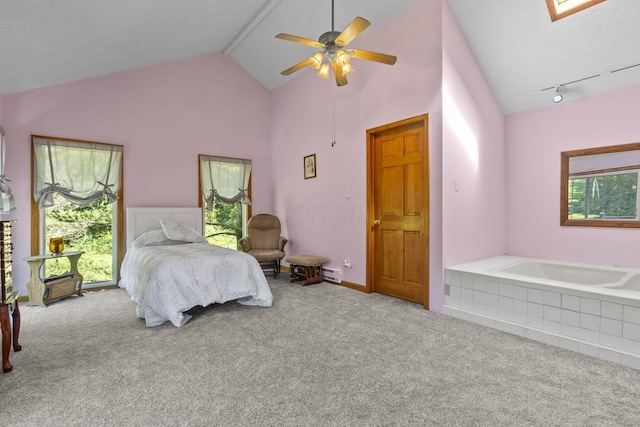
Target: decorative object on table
{"x":310,"y":166}
{"x":56,"y":245}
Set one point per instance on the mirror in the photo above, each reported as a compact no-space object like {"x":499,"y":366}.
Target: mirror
{"x":599,"y":186}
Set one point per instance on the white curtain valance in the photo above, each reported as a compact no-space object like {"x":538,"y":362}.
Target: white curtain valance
{"x":7,"y":202}
{"x":81,"y":172}
{"x":225,"y":180}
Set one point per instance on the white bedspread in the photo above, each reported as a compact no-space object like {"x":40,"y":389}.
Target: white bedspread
{"x":166,"y":281}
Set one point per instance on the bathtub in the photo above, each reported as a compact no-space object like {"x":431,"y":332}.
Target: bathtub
{"x":565,"y":273}
{"x":594,"y":310}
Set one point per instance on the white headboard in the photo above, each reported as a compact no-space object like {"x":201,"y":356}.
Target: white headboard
{"x":141,"y":220}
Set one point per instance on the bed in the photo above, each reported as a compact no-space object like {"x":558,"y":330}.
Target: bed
{"x":170,"y":268}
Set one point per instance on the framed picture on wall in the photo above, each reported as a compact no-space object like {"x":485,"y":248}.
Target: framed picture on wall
{"x":310,"y":166}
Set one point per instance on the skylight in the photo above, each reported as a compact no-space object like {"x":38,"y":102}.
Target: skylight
{"x":559,"y":9}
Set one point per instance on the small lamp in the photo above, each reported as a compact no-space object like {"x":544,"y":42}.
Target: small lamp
{"x":324,"y":71}
{"x":342,"y":58}
{"x":316,"y":60}
{"x":56,"y":245}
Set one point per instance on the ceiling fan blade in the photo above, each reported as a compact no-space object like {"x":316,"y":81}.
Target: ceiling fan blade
{"x":302,"y":40}
{"x":372,"y":56}
{"x":296,"y":67}
{"x":357,"y":26}
{"x":341,"y":78}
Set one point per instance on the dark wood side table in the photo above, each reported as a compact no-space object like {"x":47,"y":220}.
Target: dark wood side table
{"x":8,"y":298}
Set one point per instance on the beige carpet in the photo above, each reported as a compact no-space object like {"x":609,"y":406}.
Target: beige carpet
{"x":323,"y":355}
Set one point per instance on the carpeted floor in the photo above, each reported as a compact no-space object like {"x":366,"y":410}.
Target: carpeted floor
{"x":323,"y":355}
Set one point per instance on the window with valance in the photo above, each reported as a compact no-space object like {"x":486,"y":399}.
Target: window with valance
{"x":225,"y":192}
{"x":80,"y":172}
{"x":77,"y":196}
{"x":225,"y":180}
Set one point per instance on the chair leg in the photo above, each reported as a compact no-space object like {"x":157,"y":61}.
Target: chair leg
{"x":312,"y":275}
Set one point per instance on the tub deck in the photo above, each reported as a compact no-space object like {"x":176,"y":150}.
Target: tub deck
{"x":592,"y":310}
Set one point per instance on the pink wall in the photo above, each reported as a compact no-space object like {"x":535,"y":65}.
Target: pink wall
{"x":319,"y":217}
{"x":535,"y":140}
{"x":164,"y":116}
{"x":167,"y":114}
{"x":473,"y":156}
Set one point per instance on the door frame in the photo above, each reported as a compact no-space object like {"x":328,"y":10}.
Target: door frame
{"x":371,"y":137}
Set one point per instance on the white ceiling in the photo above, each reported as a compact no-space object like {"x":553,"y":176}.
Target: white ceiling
{"x":517,"y":46}
{"x":521,"y":52}
{"x":50,"y":42}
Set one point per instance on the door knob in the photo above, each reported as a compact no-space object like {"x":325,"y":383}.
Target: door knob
{"x":376,"y":222}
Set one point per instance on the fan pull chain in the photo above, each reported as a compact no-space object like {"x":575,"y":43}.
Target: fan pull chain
{"x":333,"y":116}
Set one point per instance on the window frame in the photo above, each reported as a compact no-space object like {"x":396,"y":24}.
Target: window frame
{"x":37,"y":244}
{"x":564,"y":186}
{"x":555,"y":15}
{"x":201,"y":203}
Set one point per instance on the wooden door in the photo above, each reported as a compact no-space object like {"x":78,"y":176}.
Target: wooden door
{"x":398,"y":197}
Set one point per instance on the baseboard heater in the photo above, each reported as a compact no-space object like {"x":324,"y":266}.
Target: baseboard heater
{"x":332,"y":274}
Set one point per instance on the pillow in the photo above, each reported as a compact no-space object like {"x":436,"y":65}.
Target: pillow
{"x":177,"y":231}
{"x":168,"y":242}
{"x":149,"y":238}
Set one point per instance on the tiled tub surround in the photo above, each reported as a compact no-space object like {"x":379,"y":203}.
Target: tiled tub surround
{"x":585,"y":308}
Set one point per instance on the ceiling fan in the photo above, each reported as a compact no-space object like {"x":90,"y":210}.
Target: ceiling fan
{"x":334,"y":53}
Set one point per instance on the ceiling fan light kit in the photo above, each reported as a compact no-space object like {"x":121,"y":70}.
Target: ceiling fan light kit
{"x":333,"y":54}
{"x":315,"y":61}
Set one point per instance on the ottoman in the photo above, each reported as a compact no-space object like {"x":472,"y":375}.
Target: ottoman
{"x":307,"y":268}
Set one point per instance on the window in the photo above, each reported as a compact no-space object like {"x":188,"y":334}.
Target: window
{"x":7,"y":202}
{"x":599,"y":186}
{"x":604,"y":196}
{"x":559,"y":9}
{"x":225,"y":193}
{"x":77,"y":196}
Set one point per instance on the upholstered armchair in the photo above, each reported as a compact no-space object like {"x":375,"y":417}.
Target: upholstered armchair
{"x":264,"y":241}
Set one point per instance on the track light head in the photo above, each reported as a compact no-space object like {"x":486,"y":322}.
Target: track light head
{"x":557,"y":98}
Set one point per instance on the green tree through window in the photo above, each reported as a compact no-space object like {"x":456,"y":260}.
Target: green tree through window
{"x":223,"y":225}
{"x":84,"y":228}
{"x":611,"y":196}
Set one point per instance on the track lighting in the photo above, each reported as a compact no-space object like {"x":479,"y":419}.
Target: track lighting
{"x":557,"y":98}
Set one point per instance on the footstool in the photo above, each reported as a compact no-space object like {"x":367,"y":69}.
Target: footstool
{"x":307,"y":268}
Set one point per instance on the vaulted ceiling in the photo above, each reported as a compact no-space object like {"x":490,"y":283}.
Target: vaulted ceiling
{"x":519,"y":49}
{"x":522,"y":52}
{"x":49,"y":42}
